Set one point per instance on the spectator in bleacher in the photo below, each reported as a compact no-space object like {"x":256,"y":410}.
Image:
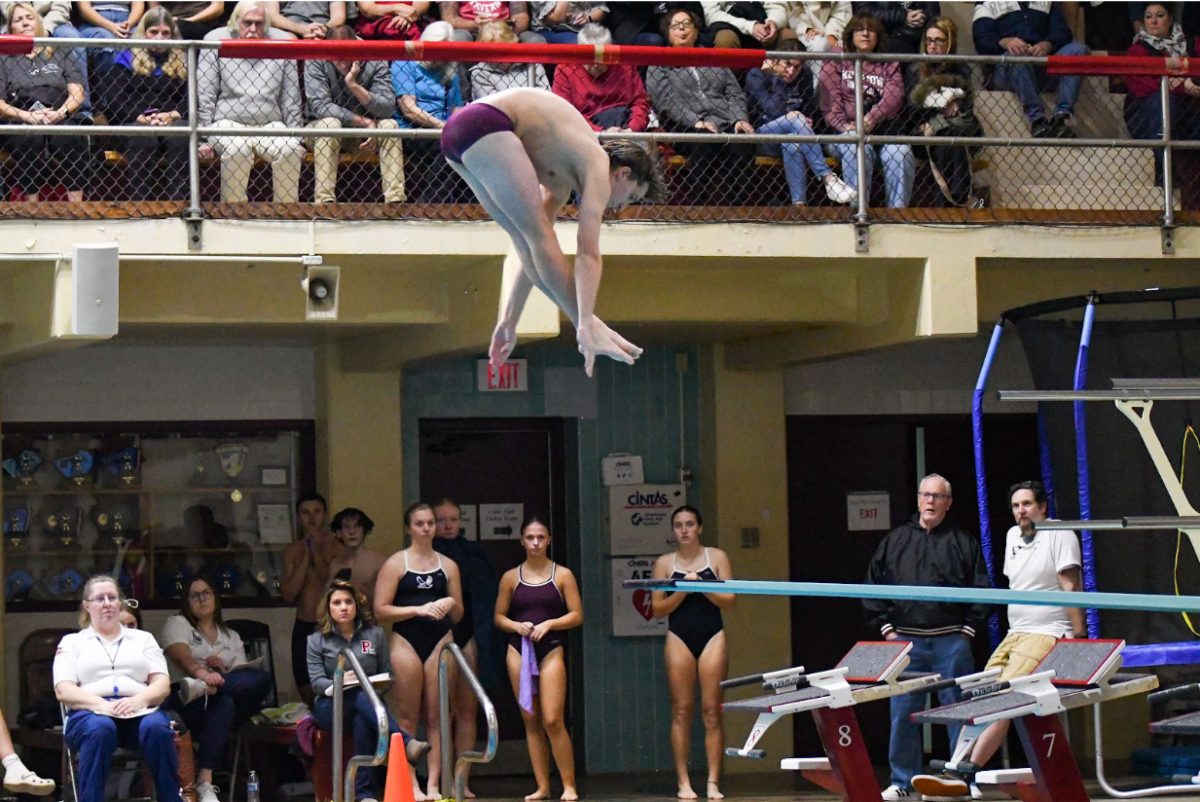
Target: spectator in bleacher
{"x":883,"y":102}
{"x":783,"y":101}
{"x":468,"y":19}
{"x":149,"y":87}
{"x":1161,"y":36}
{"x":489,"y":77}
{"x":752,"y":25}
{"x":636,"y":23}
{"x":263,"y":93}
{"x":194,"y":20}
{"x":352,"y":94}
{"x":818,"y":26}
{"x":1030,"y":29}
{"x":704,"y":100}
{"x":427,"y":93}
{"x":944,"y":102}
{"x":903,"y":23}
{"x":391,"y":20}
{"x":114,"y":20}
{"x":43,"y":87}
{"x":307,"y":20}
{"x":611,"y":97}
{"x":559,"y":23}
{"x":56,"y":18}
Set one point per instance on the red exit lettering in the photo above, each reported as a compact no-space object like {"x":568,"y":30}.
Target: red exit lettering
{"x":508,"y":377}
{"x":868,"y":513}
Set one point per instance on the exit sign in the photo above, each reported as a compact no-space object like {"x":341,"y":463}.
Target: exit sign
{"x":511,"y":377}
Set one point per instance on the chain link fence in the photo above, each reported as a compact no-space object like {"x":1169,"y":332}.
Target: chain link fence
{"x":178,"y":130}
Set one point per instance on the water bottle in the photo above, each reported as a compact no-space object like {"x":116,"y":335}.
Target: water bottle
{"x":252,"y":787}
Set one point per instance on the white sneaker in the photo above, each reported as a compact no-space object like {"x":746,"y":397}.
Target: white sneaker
{"x":894,"y":792}
{"x":207,"y":792}
{"x":21,"y":780}
{"x":975,"y":792}
{"x":191,"y":689}
{"x":839,"y":191}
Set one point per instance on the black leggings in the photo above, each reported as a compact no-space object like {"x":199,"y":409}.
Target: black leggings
{"x":34,"y":156}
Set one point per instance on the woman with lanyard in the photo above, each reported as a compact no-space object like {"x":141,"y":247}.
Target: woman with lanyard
{"x":695,"y":646}
{"x":113,"y":679}
{"x":218,"y":691}
{"x":345,"y":621}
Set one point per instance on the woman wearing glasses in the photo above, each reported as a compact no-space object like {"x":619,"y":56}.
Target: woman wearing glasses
{"x":217,"y":691}
{"x":112,"y":679}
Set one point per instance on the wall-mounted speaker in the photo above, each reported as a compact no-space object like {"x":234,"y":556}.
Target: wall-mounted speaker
{"x":87,"y":292}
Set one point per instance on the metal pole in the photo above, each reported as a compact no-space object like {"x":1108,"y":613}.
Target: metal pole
{"x":339,"y":680}
{"x":1164,"y":93}
{"x":444,"y":724}
{"x":452,"y":652}
{"x":193,"y":210}
{"x":381,"y":726}
{"x":860,"y":152}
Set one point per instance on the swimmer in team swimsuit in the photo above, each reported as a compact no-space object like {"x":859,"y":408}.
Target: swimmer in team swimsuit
{"x":419,"y":594}
{"x":539,"y":601}
{"x":523,"y":152}
{"x":695,"y":646}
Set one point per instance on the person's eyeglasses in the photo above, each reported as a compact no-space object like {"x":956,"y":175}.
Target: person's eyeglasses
{"x":931,"y":41}
{"x":200,"y":595}
{"x":107,"y":599}
{"x":681,"y":26}
{"x":926,"y":496}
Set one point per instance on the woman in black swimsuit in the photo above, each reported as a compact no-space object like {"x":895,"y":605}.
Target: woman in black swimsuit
{"x":419,"y":594}
{"x":695,"y":646}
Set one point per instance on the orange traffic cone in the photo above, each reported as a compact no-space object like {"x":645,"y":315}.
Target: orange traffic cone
{"x":398,"y":787}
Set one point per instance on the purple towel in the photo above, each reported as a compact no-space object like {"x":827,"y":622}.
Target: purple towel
{"x":528,"y":685}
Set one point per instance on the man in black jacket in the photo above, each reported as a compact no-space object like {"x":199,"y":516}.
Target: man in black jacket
{"x":928,"y":550}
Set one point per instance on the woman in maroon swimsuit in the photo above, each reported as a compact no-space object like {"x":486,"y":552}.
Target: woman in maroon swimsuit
{"x":538,"y":602}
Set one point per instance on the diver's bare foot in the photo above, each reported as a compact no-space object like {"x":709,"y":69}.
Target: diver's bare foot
{"x":569,"y":794}
{"x":432,"y":791}
{"x":469,"y":793}
{"x":596,"y":339}
{"x":713,"y":791}
{"x":536,"y":795}
{"x":418,"y":794}
{"x":685,"y":792}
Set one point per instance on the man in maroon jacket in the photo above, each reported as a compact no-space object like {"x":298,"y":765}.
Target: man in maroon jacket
{"x":611,"y":97}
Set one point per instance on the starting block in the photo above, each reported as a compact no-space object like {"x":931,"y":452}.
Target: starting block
{"x":1075,"y":673}
{"x":870,"y":671}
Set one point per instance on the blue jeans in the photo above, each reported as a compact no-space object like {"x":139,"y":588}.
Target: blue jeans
{"x":899,"y":171}
{"x":358,"y":713}
{"x":558,"y":37}
{"x":948,"y":655}
{"x":1023,"y":80}
{"x":213,"y":719}
{"x":94,"y":738}
{"x":103,"y":56}
{"x":66,"y":30}
{"x":796,"y":156}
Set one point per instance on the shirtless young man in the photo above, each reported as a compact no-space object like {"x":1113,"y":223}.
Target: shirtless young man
{"x":305,"y":574}
{"x":356,"y":563}
{"x":523,"y":152}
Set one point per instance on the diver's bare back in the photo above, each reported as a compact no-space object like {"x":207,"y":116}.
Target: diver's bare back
{"x":557,"y":138}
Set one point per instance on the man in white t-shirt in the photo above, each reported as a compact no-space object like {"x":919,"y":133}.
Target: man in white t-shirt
{"x":1033,"y":560}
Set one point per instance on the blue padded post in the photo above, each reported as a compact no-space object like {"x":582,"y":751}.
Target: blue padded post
{"x":981,"y":492}
{"x":1081,"y":464}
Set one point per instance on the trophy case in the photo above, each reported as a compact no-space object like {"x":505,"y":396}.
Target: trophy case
{"x":151,"y":504}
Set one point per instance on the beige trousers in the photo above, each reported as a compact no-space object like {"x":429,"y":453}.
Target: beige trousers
{"x":325,"y":161}
{"x":285,"y":153}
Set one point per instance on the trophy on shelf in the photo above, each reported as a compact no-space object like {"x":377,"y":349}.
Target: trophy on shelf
{"x":64,"y":585}
{"x":17,"y":585}
{"x":16,"y":526}
{"x":77,"y":467}
{"x":64,"y":523}
{"x":124,"y":465}
{"x":233,"y":459}
{"x":23,"y":466}
{"x":227,"y":579}
{"x":113,"y":522}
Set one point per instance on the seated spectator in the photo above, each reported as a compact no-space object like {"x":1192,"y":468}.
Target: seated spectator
{"x":148,"y":86}
{"x":782,"y":101}
{"x":468,"y":19}
{"x":488,"y":77}
{"x":752,"y":25}
{"x":1031,"y":29}
{"x":264,"y":93}
{"x":883,"y":101}
{"x":427,"y":93}
{"x":817,"y":26}
{"x":559,"y":23}
{"x":703,"y":99}
{"x":43,"y":87}
{"x":194,"y":20}
{"x":307,"y":20}
{"x":391,"y":20}
{"x":611,"y":97}
{"x":56,"y":19}
{"x":112,"y":679}
{"x":352,"y":94}
{"x":217,"y":692}
{"x":944,"y":102}
{"x":107,"y":21}
{"x":1162,"y":37}
{"x":636,"y":23}
{"x":903,"y":23}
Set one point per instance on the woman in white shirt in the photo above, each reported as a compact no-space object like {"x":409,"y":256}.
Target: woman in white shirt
{"x":113,"y":679}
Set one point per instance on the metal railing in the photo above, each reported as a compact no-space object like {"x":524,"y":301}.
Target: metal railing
{"x":451,"y":652}
{"x":344,"y":789}
{"x":933,"y":171}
